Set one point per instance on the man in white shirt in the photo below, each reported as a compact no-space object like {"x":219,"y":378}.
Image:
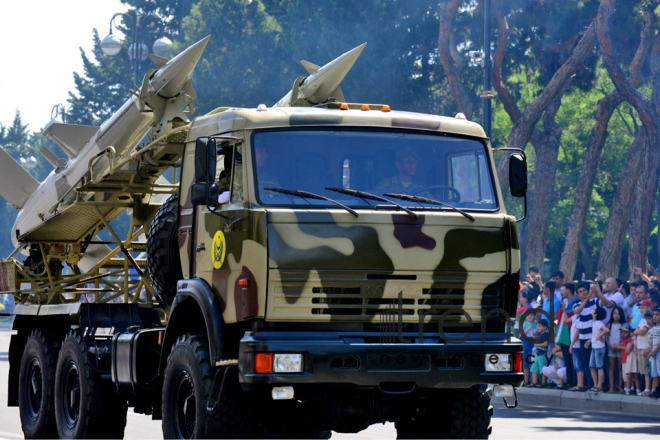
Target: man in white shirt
{"x":609,"y":298}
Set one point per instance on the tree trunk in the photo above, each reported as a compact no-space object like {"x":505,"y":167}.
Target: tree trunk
{"x":610,"y":251}
{"x":524,"y":126}
{"x":610,"y":255}
{"x":585,"y":183}
{"x":544,"y":183}
{"x":446,"y":12}
{"x":657,"y":207}
{"x":587,"y":262}
{"x":639,"y":226}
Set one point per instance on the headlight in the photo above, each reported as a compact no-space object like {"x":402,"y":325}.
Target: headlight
{"x":498,"y":362}
{"x":287,"y":363}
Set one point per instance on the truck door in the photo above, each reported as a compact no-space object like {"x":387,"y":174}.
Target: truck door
{"x":221,"y":231}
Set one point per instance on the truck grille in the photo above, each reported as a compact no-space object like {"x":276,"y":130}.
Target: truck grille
{"x":358,"y":296}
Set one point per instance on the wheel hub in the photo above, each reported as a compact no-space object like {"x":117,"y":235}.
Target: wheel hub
{"x":186,"y":408}
{"x":72,"y":395}
{"x":35,"y":389}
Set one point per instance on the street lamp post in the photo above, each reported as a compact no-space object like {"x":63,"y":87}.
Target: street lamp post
{"x":58,"y":110}
{"x":137,"y":50}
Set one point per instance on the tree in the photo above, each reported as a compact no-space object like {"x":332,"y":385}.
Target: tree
{"x":18,"y":132}
{"x":647,"y":138}
{"x":451,"y":60}
{"x":605,"y":109}
{"x":546,"y":142}
{"x":103,"y":88}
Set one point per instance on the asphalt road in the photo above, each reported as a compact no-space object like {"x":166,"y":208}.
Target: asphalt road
{"x":522,"y":423}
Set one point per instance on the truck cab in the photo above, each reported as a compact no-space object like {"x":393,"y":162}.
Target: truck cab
{"x":365,"y":255}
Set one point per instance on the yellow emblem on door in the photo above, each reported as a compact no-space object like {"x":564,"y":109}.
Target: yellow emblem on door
{"x":219,"y":249}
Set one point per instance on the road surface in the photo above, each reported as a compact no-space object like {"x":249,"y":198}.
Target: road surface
{"x":522,"y":423}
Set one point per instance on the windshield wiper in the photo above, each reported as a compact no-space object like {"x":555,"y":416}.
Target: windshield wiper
{"x":309,"y":195}
{"x":366,"y":195}
{"x":420,"y":199}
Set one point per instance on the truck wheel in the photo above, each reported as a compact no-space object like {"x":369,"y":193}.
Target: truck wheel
{"x":36,"y":382}
{"x":187,"y":385}
{"x":85,"y":407}
{"x":461,"y":414}
{"x":163,"y":260}
{"x":471,"y":412}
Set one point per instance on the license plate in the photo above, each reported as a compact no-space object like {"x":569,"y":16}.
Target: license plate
{"x":398,"y":362}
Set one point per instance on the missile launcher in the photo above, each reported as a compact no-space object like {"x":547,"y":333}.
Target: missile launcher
{"x":107,"y":172}
{"x":276,"y":264}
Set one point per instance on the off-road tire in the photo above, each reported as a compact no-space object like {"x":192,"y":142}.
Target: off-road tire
{"x":471,"y":412}
{"x":36,"y":381}
{"x":189,"y":374}
{"x":85,"y":406}
{"x":163,"y":260}
{"x":461,"y":414}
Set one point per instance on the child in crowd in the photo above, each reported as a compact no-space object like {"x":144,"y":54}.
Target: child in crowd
{"x":628,"y":357}
{"x":653,"y":353}
{"x":574,"y":350}
{"x":614,"y":355}
{"x":641,"y":334}
{"x":556,"y":371}
{"x":541,"y":349}
{"x":524,"y":304}
{"x":529,"y":329}
{"x":597,"y":342}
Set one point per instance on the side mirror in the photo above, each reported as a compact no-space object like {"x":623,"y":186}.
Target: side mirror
{"x":517,"y":175}
{"x":204,"y":194}
{"x":205,"y":160}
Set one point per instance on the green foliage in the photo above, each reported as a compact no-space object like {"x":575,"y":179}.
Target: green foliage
{"x":103,"y":88}
{"x":16,"y":133}
{"x":256,"y":45}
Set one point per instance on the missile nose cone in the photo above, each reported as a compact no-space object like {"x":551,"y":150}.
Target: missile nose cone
{"x":169,"y":80}
{"x":321,"y":84}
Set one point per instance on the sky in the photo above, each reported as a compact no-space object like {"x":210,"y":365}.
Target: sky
{"x":39,"y":51}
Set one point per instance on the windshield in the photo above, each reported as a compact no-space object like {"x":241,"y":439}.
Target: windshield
{"x":448,"y":169}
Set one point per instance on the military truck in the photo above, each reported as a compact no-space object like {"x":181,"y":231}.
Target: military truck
{"x":315,"y":267}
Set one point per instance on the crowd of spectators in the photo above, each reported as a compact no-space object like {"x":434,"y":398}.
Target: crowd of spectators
{"x":594,"y":336}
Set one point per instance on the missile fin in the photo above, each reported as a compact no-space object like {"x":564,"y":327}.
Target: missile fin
{"x":70,"y":138}
{"x":310,"y":67}
{"x":189,"y":90}
{"x":55,"y":161}
{"x":158,"y":61}
{"x":16,"y":184}
{"x":323,"y":82}
{"x":338,"y":95}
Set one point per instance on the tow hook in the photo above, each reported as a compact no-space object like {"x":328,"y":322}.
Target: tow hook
{"x":505,"y":391}
{"x":515,"y":403}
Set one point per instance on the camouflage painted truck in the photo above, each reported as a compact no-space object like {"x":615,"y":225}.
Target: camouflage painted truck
{"x":312,"y":266}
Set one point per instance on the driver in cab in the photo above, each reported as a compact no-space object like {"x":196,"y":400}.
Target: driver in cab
{"x":403,"y":182}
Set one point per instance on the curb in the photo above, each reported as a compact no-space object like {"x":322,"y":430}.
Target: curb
{"x":620,"y":403}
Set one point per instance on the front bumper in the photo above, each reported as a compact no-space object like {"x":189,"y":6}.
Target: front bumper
{"x":344,"y":359}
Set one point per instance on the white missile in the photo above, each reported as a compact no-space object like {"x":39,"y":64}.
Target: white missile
{"x":39,"y":203}
{"x":323,"y":82}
